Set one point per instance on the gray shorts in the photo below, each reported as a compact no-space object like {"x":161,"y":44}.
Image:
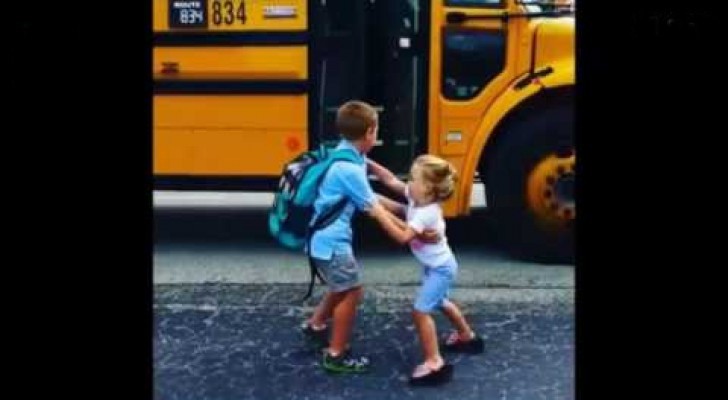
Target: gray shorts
{"x":341,"y":272}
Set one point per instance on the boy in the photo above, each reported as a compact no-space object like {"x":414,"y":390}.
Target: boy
{"x":331,"y":248}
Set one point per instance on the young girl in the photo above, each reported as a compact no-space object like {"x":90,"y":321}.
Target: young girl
{"x":432,"y":181}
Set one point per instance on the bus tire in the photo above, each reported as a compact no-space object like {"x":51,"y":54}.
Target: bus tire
{"x":534,"y":155}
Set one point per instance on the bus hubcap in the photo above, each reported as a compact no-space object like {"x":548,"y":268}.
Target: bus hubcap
{"x":550,"y":189}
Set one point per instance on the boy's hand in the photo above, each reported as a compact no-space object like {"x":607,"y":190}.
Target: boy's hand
{"x":429,"y":236}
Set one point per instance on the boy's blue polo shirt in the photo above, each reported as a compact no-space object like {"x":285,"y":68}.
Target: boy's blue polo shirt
{"x":343,"y":179}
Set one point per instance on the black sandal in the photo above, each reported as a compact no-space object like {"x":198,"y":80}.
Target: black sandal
{"x":433,"y":377}
{"x":455,"y":343}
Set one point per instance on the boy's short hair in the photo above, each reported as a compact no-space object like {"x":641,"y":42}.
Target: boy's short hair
{"x":353,"y":119}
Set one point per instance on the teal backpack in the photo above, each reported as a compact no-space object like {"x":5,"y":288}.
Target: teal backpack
{"x":289,"y":219}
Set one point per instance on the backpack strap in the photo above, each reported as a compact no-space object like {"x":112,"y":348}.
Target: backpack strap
{"x":325,"y":220}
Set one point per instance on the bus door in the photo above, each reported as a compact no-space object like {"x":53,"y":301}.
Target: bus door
{"x":375,"y":51}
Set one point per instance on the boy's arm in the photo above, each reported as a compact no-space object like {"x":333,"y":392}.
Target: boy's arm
{"x":399,"y":223}
{"x":392,"y":206}
{"x":387,"y":177}
{"x":355,"y":186}
{"x":399,"y":231}
{"x":428,"y":235}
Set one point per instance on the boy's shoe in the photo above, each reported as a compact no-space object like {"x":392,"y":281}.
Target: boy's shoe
{"x":345,"y":363}
{"x":319,"y":338}
{"x":456,"y":343}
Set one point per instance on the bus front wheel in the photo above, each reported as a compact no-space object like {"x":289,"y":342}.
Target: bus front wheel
{"x":530,"y":182}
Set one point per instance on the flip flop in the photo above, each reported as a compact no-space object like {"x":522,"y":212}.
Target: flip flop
{"x":455,"y":343}
{"x":431,"y":377}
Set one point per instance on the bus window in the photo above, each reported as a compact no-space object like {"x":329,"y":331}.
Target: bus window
{"x":470,"y":60}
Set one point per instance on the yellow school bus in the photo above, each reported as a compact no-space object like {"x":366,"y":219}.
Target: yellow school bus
{"x":243,"y":86}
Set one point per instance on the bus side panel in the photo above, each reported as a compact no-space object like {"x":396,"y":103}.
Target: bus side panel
{"x":227,"y":135}
{"x":252,"y":63}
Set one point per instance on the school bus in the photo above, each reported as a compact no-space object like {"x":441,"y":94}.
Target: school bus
{"x":242,"y":86}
